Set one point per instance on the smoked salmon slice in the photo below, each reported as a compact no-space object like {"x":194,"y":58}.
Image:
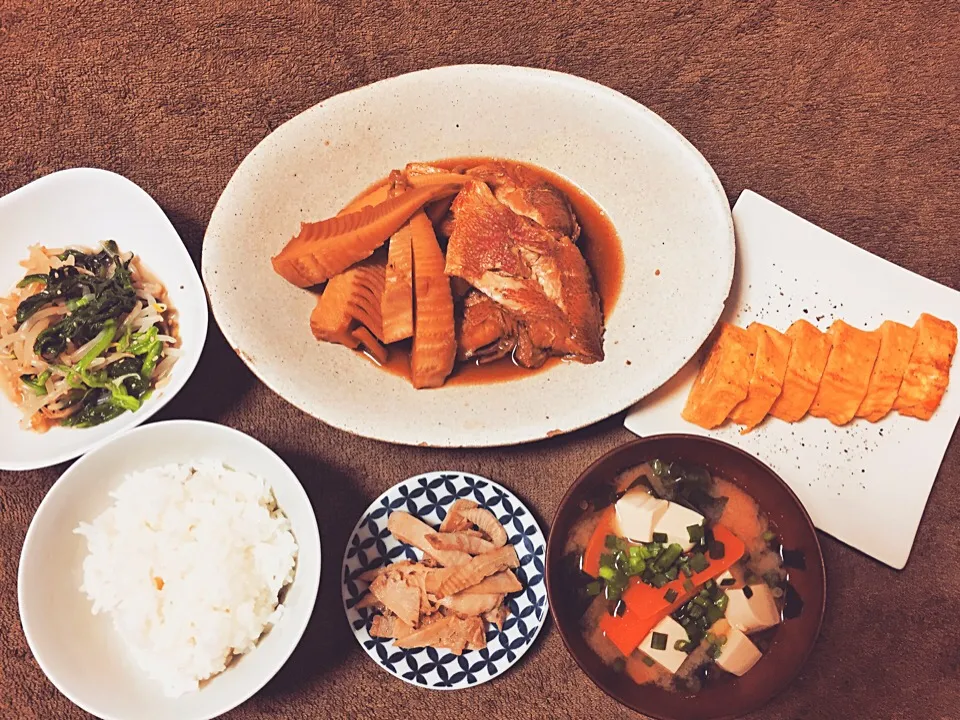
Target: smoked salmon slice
{"x":724,"y":377}
{"x":325,"y":249}
{"x":773,"y":351}
{"x":845,"y":379}
{"x":397,"y":304}
{"x":434,"y":339}
{"x":896,"y":345}
{"x":808,"y":358}
{"x":928,"y":372}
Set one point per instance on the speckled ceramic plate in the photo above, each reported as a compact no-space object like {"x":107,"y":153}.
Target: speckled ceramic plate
{"x":668,"y":207}
{"x":371,"y":545}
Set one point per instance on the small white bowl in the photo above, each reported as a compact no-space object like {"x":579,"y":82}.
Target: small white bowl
{"x":81,"y":653}
{"x":85,"y":206}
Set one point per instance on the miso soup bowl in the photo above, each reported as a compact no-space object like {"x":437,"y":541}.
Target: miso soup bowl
{"x":727,"y":696}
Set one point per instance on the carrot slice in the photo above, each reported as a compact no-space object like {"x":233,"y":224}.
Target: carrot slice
{"x":324,"y":249}
{"x":350,"y":297}
{"x":808,"y":358}
{"x":647,"y":605}
{"x":434,"y":340}
{"x":928,"y":372}
{"x":397,"y":304}
{"x":896,"y":344}
{"x":723,"y":379}
{"x":773,"y":350}
{"x":595,"y":547}
{"x":847,"y":374}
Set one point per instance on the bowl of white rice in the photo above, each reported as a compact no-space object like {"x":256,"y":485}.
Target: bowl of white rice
{"x":170,"y":573}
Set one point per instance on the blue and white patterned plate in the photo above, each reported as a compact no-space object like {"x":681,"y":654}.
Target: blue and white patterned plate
{"x":371,"y":545}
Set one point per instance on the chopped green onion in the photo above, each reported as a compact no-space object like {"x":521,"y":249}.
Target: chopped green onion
{"x":670,"y":595}
{"x":594,"y":588}
{"x":658,"y":641}
{"x":748,"y":592}
{"x":717,"y":550}
{"x":637,"y":566}
{"x":612,"y":592}
{"x":695,"y":611}
{"x":713,"y":614}
{"x":722,"y":602}
{"x":647,"y":660}
{"x":102,"y":342}
{"x":698,"y":562}
{"x":659,"y":537}
{"x":671,"y":573}
{"x":607,"y":559}
{"x":37,"y":383}
{"x":31,"y":279}
{"x":711,"y":638}
{"x":701,"y":601}
{"x":150,"y":359}
{"x":635,"y":552}
{"x":80,"y":302}
{"x":682,"y":645}
{"x":695,"y":532}
{"x":669,"y":556}
{"x":769,"y":536}
{"x":688,"y":586}
{"x":714,"y":651}
{"x":685,"y":569}
{"x":659,"y":580}
{"x":607,"y":572}
{"x":142,"y":341}
{"x":610,"y":541}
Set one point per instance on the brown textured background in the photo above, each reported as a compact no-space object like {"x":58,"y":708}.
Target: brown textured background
{"x":846,"y":113}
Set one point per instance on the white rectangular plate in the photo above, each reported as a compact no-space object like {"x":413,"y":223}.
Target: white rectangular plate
{"x":867,"y":483}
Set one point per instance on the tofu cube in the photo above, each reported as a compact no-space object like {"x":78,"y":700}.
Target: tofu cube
{"x":637,"y":513}
{"x":750,"y":614}
{"x":674,"y":523}
{"x":669,"y":657}
{"x":739,"y":654}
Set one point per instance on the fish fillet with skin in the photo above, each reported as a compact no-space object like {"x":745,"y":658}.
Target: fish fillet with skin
{"x":542,"y":280}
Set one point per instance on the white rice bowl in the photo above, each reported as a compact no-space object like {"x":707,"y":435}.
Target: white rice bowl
{"x":190,"y":562}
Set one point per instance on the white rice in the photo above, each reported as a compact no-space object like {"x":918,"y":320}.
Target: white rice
{"x":189,"y":561}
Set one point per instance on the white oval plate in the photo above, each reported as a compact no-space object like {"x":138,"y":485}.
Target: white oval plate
{"x":666,"y":202}
{"x":85,"y":206}
{"x":80,"y":652}
{"x":371,"y":545}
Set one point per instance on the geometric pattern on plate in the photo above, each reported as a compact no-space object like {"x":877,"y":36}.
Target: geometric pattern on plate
{"x":371,"y":545}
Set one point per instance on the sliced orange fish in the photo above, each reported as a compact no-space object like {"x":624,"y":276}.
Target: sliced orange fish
{"x":724,"y":377}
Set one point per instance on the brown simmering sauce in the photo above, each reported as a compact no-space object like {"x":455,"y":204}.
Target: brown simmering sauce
{"x":600,"y":246}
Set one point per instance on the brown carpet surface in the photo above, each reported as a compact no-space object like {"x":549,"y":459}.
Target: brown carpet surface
{"x":844,"y":112}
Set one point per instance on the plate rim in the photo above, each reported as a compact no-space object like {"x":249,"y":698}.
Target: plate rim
{"x":521,"y":436}
{"x":373,"y":505}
